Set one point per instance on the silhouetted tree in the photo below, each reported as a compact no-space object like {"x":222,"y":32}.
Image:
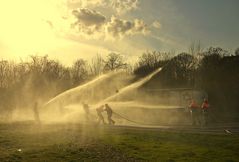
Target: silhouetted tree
{"x":195,"y":49}
{"x":237,"y":52}
{"x":149,"y":61}
{"x":79,"y":71}
{"x":180,"y":71}
{"x":97,"y":65}
{"x":114,"y":61}
{"x":216,"y":72}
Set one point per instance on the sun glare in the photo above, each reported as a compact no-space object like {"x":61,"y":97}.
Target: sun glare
{"x":26,"y":25}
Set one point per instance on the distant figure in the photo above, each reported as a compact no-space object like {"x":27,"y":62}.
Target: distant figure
{"x":116,"y":91}
{"x":109,"y":114}
{"x":99,"y":111}
{"x":87,"y":111}
{"x":36,"y":113}
{"x":205,"y":111}
{"x":195,"y":113}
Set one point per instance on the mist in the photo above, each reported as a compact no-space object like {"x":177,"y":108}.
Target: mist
{"x":155,"y":91}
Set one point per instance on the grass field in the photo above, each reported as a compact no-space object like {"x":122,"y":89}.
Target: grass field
{"x":73,"y":143}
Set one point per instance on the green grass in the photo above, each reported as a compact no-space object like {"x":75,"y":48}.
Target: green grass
{"x":91,"y":143}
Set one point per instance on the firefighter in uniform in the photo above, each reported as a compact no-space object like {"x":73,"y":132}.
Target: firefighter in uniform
{"x":109,"y":114}
{"x":195,"y":112}
{"x":99,"y":111}
{"x":205,"y":111}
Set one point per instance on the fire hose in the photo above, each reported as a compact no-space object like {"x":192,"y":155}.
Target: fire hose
{"x":132,"y":121}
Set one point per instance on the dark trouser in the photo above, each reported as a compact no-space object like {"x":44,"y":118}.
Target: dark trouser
{"x":205,"y":116}
{"x":196,"y":117}
{"x":110,"y":120}
{"x":100,"y":118}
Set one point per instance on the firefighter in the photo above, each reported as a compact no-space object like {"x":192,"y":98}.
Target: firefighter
{"x":205,"y":109}
{"x":195,"y":112}
{"x":87,"y":111}
{"x":109,"y":114}
{"x":99,"y":111}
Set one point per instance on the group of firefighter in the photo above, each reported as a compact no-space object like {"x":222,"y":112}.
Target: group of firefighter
{"x":100,"y":110}
{"x":199,"y":113}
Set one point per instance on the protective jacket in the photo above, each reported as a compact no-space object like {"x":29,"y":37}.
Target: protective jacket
{"x":205,"y":105}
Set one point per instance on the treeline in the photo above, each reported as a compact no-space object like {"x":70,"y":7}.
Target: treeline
{"x":40,"y":78}
{"x":214,"y":70}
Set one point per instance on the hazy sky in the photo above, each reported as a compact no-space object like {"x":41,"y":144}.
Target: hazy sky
{"x":71,"y":29}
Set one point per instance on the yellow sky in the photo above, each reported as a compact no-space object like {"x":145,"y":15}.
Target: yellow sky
{"x":30,"y":27}
{"x":23,"y":24}
{"x":26,"y":29}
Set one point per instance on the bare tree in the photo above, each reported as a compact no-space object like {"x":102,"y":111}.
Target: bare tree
{"x":114,"y":62}
{"x":237,"y":52}
{"x":97,"y":65}
{"x":79,"y":71}
{"x":195,"y":49}
{"x":181,"y":69}
{"x":151,"y":59}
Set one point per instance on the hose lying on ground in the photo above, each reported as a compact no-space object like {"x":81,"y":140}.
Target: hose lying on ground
{"x":132,"y":121}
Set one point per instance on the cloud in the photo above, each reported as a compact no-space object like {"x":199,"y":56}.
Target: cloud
{"x":93,"y":24}
{"x":86,"y":3}
{"x":118,"y":28}
{"x":122,"y":6}
{"x":156,"y":24}
{"x":89,"y":17}
{"x":88,"y":22}
{"x":119,"y":6}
